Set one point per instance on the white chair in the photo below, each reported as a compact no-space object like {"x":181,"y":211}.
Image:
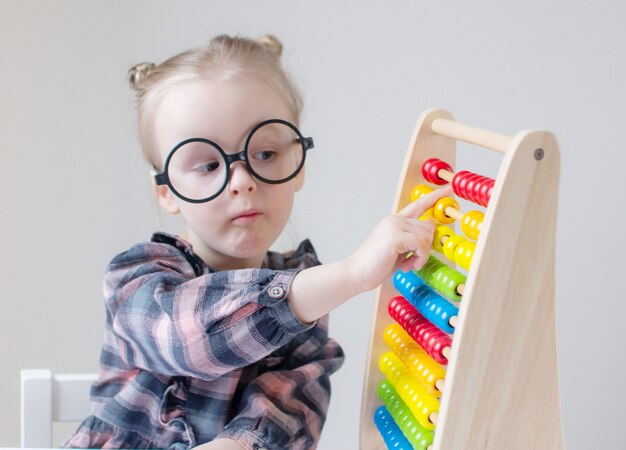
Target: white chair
{"x":47,"y":398}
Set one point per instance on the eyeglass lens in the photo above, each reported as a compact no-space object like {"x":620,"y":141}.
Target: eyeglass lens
{"x":197,"y":170}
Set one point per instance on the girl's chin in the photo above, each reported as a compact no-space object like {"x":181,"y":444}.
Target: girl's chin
{"x":249,"y":249}
{"x":250,"y":252}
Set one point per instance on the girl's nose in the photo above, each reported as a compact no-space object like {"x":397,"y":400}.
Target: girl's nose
{"x":241,"y":180}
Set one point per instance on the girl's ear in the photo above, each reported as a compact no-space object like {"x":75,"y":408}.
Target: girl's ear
{"x":164,"y":196}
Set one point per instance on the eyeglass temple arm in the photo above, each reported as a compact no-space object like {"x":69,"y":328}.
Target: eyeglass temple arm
{"x":307,"y":143}
{"x":159,"y":178}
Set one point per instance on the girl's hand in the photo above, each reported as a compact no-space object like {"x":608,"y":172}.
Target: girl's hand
{"x":386,"y":248}
{"x":318,"y":290}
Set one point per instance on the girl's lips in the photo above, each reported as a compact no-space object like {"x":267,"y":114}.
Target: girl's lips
{"x":247,"y":216}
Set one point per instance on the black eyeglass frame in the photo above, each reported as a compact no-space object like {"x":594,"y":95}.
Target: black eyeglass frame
{"x":163,"y":178}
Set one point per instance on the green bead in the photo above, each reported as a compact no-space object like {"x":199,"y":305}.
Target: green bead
{"x":442,"y":278}
{"x":419,"y":437}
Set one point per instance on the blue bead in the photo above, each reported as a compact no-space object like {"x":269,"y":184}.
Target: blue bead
{"x":393,"y":437}
{"x":428,"y":302}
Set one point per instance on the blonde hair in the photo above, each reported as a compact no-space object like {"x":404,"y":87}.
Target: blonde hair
{"x":224,"y":58}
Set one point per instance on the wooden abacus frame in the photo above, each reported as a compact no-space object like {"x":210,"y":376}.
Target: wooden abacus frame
{"x":501,"y":387}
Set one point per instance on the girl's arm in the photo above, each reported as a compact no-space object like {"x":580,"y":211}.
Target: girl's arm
{"x":164,"y":317}
{"x":318,"y":290}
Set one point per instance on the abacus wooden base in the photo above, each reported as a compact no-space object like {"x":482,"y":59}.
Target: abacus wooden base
{"x":501,"y":387}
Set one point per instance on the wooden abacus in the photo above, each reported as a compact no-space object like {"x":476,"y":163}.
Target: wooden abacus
{"x":501,"y":384}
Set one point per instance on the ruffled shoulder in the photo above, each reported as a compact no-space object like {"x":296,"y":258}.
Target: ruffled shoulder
{"x":303,"y":257}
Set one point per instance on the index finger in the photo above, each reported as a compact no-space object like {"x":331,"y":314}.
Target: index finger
{"x":418,"y":207}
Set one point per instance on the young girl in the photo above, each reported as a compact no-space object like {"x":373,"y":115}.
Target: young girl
{"x":210,"y":337}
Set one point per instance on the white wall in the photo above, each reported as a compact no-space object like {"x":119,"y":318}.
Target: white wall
{"x":75,"y":191}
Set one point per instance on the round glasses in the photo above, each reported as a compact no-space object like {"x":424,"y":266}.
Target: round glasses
{"x":197,"y":170}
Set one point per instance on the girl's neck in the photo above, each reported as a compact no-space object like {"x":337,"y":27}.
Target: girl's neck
{"x":219,"y":261}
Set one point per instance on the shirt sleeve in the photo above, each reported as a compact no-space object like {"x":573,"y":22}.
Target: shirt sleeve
{"x":164,"y":318}
{"x":285,"y":406}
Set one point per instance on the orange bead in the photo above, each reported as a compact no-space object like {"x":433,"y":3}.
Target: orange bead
{"x":439,"y":209}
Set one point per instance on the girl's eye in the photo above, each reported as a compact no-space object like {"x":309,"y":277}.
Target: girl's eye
{"x":208,"y":167}
{"x":265,"y":155}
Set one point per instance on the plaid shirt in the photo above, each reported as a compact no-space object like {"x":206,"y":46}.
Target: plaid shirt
{"x":191,"y":355}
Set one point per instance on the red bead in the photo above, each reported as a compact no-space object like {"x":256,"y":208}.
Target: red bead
{"x":431,"y":168}
{"x":427,"y":335}
{"x":458,"y":183}
{"x":484,"y":192}
{"x":473,"y":187}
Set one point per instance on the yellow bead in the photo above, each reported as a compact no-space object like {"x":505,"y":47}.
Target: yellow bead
{"x":464,"y":253}
{"x":440,"y":209}
{"x":419,"y":191}
{"x":410,"y":389}
{"x":471,"y":224}
{"x":415,"y":358}
{"x":450,"y":246}
{"x":441,"y":232}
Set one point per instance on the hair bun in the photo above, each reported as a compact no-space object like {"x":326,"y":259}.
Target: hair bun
{"x":138,"y":73}
{"x":271,"y":42}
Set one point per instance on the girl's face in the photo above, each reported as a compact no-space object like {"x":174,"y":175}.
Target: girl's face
{"x":236,"y":229}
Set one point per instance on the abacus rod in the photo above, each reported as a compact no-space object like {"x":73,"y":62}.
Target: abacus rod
{"x":446,"y":175}
{"x":454,"y":213}
{"x":472,"y":135}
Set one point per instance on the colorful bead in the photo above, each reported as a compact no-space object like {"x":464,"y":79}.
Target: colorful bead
{"x":434,"y":307}
{"x":414,"y":357}
{"x":407,"y":282}
{"x":472,"y":223}
{"x":449,"y":248}
{"x":419,"y":191}
{"x":419,"y":402}
{"x":439,"y":210}
{"x":431,"y":168}
{"x":446,"y":281}
{"x":442,"y":278}
{"x":441,"y":232}
{"x":416,"y":434}
{"x":390,"y":432}
{"x":464,"y":253}
{"x":473,"y":187}
{"x":427,"y":335}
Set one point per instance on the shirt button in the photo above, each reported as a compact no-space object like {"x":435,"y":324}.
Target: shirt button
{"x":277,"y":292}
